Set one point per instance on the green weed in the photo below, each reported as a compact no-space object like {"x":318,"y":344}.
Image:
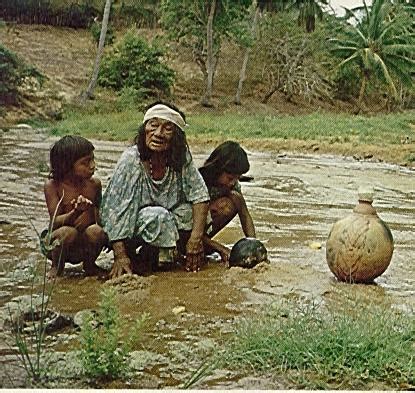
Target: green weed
{"x":316,"y":348}
{"x":104,"y":353}
{"x":31,"y":347}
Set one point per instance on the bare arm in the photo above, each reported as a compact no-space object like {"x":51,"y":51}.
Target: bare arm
{"x":220,"y":248}
{"x":52,"y":201}
{"x":122,"y":263}
{"x":98,"y":200}
{"x":245,"y":218}
{"x":194,"y":247}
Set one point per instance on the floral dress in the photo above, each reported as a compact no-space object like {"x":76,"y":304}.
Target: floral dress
{"x":136,"y":206}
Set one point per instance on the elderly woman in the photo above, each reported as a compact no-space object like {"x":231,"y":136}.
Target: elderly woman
{"x":156,"y":198}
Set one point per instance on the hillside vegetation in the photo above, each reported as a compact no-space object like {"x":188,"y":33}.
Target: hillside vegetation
{"x":292,"y":69}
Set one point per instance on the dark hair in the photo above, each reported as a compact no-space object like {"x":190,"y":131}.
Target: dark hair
{"x":176,"y":156}
{"x":227,"y":157}
{"x":65,"y":152}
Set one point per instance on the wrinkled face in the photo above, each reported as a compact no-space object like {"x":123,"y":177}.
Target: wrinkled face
{"x":159,"y":133}
{"x":84,"y":167}
{"x":227,"y":180}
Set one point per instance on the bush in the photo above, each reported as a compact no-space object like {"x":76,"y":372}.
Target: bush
{"x":104,"y":353}
{"x":95,"y":30}
{"x":136,"y":64}
{"x":12,"y":73}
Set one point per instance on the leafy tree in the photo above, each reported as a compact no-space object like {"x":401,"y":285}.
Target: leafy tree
{"x":309,"y":11}
{"x":242,"y":73}
{"x":201,"y":26}
{"x":292,"y":61}
{"x":134,"y":64}
{"x":381,"y":45}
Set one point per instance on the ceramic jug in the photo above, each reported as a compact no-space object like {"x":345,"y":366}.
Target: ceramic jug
{"x":359,"y":247}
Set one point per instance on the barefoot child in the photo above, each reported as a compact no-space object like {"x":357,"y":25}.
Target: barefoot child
{"x":221,"y":172}
{"x":76,"y":195}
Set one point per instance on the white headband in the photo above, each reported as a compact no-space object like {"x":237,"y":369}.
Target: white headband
{"x":164,"y":112}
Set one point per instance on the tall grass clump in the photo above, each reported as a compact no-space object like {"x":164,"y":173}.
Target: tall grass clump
{"x":368,"y":346}
{"x":104,"y":351}
{"x":31,"y":347}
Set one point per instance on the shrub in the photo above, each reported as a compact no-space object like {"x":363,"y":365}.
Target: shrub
{"x":134,"y":63}
{"x":103,"y":352}
{"x":12,"y":73}
{"x":95,"y":30}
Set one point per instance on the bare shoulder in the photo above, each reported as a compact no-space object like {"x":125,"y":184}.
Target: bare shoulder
{"x":96,"y":182}
{"x":50,"y":185}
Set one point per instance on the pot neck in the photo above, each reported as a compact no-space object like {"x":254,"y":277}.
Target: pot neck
{"x":365,"y":207}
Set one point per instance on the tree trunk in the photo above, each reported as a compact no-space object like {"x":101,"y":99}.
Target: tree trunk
{"x":242,"y":73}
{"x":210,"y":58}
{"x":362,"y":92}
{"x":89,"y":93}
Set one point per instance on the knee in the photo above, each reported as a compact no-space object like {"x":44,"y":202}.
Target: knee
{"x":66,"y":235}
{"x":224,"y":206}
{"x":95,"y":234}
{"x":154,"y":214}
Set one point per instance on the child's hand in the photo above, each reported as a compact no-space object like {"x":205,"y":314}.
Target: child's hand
{"x":225,"y":253}
{"x":81,"y":204}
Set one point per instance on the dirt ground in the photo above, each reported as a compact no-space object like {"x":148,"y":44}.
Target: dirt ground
{"x":294,"y":201}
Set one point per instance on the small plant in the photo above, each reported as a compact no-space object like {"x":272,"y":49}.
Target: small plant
{"x":103,"y":353}
{"x":356,"y":347}
{"x":30,"y":346}
{"x":136,"y":64}
{"x":13,"y":72}
{"x":95,"y":30}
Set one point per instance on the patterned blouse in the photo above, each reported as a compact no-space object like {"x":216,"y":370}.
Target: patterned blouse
{"x":135,"y":205}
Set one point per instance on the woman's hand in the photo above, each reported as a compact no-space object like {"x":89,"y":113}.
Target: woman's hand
{"x":195,"y":256}
{"x":81,"y":204}
{"x":122,"y":264}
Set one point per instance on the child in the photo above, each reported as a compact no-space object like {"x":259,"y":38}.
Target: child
{"x":221,"y":172}
{"x":76,"y":195}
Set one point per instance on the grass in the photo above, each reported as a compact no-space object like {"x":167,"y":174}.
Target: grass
{"x":382,"y":129}
{"x":358,"y":347}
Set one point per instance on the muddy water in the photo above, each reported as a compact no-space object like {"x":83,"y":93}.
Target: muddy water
{"x":294,"y":201}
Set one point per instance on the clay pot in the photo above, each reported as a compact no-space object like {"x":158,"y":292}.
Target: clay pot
{"x":360,"y":246}
{"x":247,"y":252}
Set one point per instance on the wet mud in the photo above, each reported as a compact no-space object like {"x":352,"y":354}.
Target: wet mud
{"x":294,"y":201}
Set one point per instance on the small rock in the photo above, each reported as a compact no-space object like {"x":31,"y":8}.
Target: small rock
{"x":178,"y":310}
{"x":81,"y":316}
{"x":314,"y":245}
{"x":24,"y":126}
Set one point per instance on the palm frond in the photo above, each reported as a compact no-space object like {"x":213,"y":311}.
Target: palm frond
{"x":386,"y":75}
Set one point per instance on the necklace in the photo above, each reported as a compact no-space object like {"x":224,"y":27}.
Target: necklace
{"x":151,"y":167}
{"x":150,"y":164}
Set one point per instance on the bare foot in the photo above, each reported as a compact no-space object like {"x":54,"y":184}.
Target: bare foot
{"x":53,"y":273}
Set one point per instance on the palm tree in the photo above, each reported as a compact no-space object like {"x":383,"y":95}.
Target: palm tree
{"x":381,"y":45}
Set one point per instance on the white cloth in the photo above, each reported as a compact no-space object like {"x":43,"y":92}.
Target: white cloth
{"x":164,"y":112}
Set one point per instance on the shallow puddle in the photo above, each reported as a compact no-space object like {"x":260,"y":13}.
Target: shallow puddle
{"x":294,"y":201}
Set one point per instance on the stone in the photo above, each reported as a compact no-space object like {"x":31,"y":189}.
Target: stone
{"x":178,"y":310}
